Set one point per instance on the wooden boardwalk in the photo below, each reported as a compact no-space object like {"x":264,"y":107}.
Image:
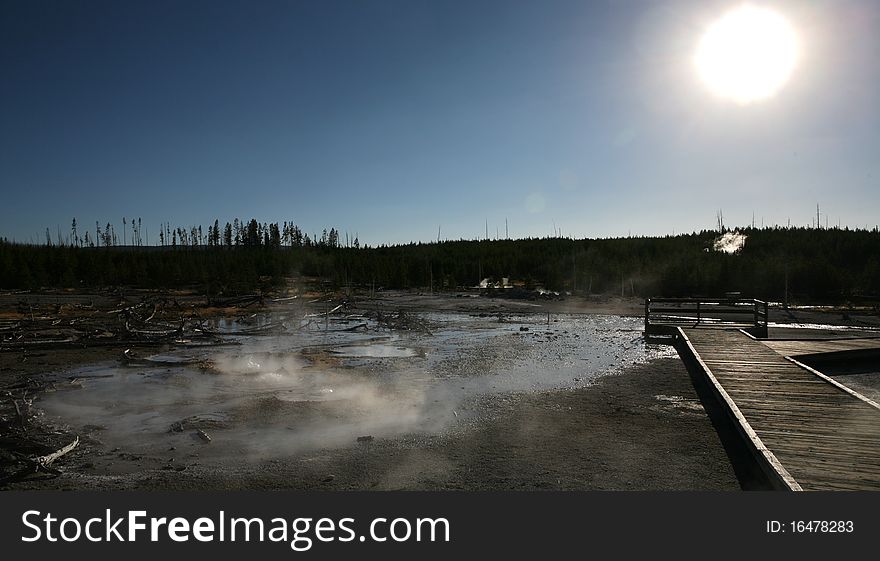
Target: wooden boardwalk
{"x":807,"y":431}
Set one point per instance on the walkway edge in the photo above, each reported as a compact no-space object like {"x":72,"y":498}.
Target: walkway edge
{"x":834,"y":382}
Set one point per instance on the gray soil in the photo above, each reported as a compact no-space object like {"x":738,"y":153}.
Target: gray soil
{"x":641,"y":427}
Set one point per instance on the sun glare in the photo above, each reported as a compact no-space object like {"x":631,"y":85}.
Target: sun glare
{"x":748,"y":54}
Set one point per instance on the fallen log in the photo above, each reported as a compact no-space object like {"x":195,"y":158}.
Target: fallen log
{"x":19,"y":416}
{"x":87,"y":376}
{"x":267,"y":329}
{"x":154,"y":334}
{"x":131,"y":357}
{"x":20,"y":342}
{"x":337,"y":308}
{"x":237,"y":301}
{"x":155,"y":309}
{"x":48,"y":459}
{"x":128,"y":309}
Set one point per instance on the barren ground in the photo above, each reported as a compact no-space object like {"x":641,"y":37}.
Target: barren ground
{"x":636,"y":427}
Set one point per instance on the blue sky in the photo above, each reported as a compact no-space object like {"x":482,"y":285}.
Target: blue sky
{"x":391,"y":118}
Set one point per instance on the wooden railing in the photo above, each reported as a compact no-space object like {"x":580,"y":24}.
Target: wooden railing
{"x":692,"y":312}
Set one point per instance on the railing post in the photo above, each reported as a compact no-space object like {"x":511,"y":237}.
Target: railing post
{"x":699,"y":314}
{"x":647,"y":313}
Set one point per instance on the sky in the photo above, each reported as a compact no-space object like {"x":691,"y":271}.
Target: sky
{"x":391,"y":119}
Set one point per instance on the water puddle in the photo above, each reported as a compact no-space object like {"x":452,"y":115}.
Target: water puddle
{"x":822,"y":326}
{"x":375,"y":351}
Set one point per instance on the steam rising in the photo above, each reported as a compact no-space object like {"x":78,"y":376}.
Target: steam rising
{"x":730,"y":242}
{"x":278,"y":396}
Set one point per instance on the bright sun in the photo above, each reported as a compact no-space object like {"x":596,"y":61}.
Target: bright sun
{"x":748,"y":54}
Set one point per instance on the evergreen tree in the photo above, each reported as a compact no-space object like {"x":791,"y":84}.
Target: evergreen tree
{"x":274,"y":236}
{"x":227,"y":235}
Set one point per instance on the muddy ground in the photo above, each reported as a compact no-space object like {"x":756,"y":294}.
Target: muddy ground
{"x":640,"y":427}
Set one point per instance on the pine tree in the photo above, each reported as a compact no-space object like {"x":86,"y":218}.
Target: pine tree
{"x":227,"y":235}
{"x":252,"y":235}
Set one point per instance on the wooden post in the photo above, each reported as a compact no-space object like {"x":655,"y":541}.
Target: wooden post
{"x":786,"y":285}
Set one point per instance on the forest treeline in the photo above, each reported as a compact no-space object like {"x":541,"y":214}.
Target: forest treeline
{"x":234,"y":234}
{"x":811,"y":264}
